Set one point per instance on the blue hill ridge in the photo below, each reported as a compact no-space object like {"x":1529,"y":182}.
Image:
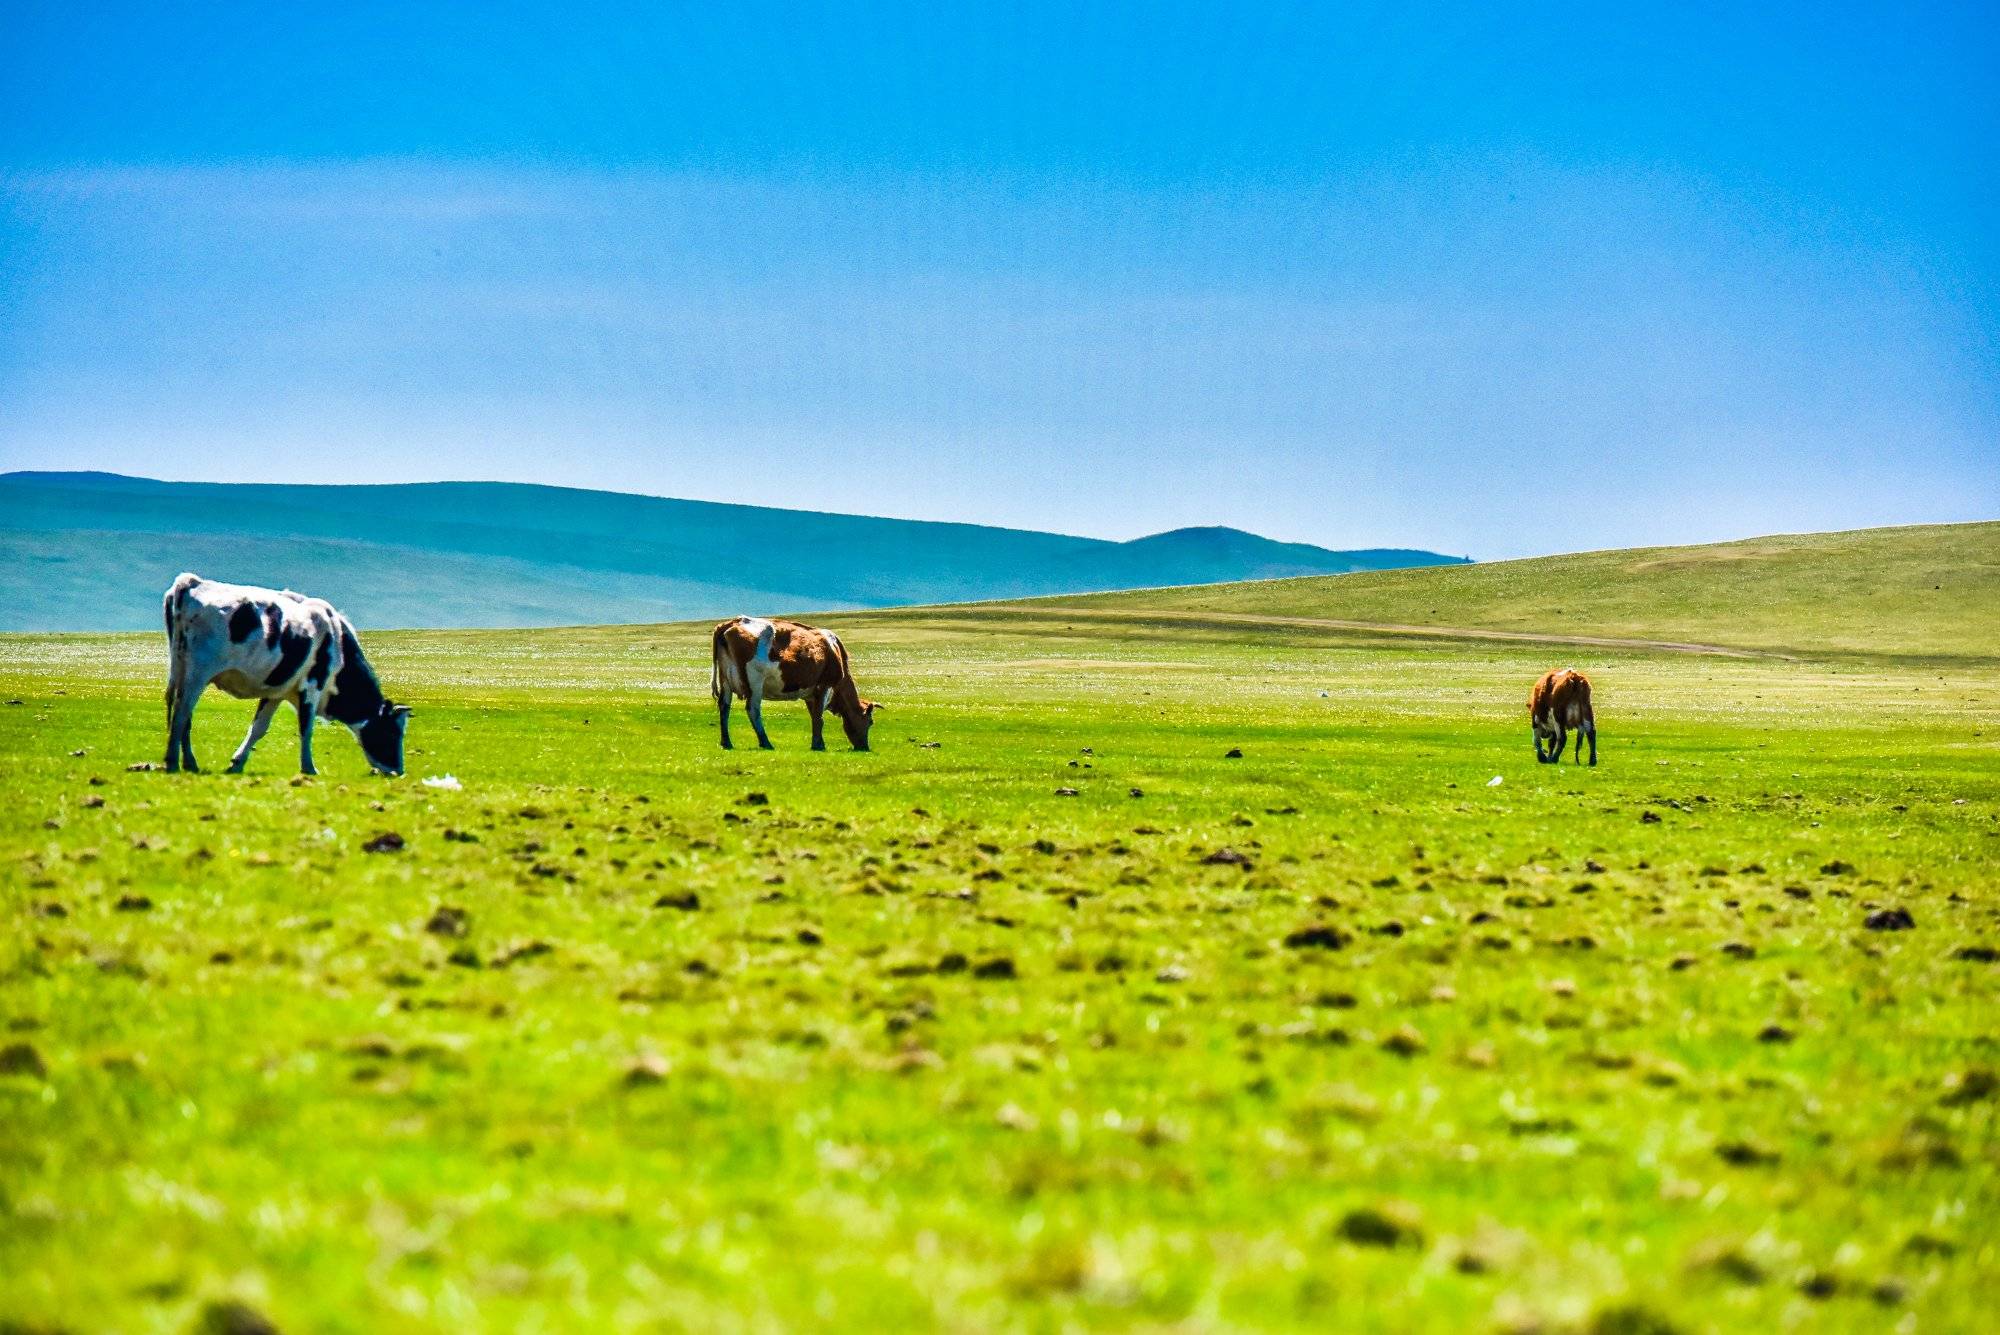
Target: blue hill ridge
{"x":92,"y":551}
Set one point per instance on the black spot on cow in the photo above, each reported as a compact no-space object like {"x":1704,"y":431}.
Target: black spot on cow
{"x":242,"y":622}
{"x":357,"y":695}
{"x":322,"y":663}
{"x":273,"y":619}
{"x":292,"y":650}
{"x":356,"y":699}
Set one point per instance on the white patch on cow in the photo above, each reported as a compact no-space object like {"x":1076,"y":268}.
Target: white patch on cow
{"x":746,"y":679}
{"x":231,"y":681}
{"x":766,"y":679}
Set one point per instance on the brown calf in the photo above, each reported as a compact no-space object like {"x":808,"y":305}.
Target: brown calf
{"x":762,"y":659}
{"x":1561,"y":702}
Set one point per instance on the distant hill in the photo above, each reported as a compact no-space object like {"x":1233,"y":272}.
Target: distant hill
{"x":1922,"y":591}
{"x":93,"y":551}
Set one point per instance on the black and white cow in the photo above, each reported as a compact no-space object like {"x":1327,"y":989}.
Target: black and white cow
{"x":271,"y":646}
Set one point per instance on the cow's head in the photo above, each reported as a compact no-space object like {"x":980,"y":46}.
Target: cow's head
{"x":856,"y":719}
{"x":382,"y":737}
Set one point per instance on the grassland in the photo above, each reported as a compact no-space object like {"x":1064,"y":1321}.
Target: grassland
{"x":913,"y":1039}
{"x":1925,"y":592}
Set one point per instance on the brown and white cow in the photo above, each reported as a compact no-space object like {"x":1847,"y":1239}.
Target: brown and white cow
{"x":1559,"y":704}
{"x":762,"y":659}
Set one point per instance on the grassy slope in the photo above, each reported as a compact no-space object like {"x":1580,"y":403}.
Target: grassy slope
{"x":1930,"y":590}
{"x":92,"y":551}
{"x":274,"y":1085}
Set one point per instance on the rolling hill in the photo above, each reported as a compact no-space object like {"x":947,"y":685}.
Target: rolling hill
{"x":1921,"y":591}
{"x":92,"y":551}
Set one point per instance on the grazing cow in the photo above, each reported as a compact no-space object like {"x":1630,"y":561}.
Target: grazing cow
{"x":1559,"y":703}
{"x":272,"y":646}
{"x":782,"y":660}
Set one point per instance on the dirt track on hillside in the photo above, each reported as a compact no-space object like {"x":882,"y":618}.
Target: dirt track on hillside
{"x":1394,"y":628}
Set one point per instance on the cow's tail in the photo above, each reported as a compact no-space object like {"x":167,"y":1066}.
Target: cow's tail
{"x":174,"y":611}
{"x":176,"y":595}
{"x":717,"y":650}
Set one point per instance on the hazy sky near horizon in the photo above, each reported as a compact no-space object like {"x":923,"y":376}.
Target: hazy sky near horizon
{"x":1491,"y":283}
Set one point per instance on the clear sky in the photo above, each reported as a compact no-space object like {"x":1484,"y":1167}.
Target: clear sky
{"x":1492,"y":281}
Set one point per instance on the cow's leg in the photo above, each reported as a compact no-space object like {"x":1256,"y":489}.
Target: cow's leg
{"x":1556,"y":751}
{"x":754,"y":707}
{"x":180,"y":737}
{"x":1590,"y":731}
{"x":258,"y":726}
{"x":173,"y":717}
{"x":308,"y":707}
{"x":1541,"y":756}
{"x":723,"y":699}
{"x":816,"y":708}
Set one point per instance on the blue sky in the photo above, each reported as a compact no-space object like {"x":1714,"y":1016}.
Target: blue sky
{"x":1492,"y":283}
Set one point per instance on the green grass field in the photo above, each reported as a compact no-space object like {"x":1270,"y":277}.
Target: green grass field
{"x":1924,"y":593}
{"x":635,"y":1033}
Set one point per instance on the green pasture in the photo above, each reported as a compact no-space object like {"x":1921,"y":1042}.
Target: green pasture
{"x":1050,"y":1012}
{"x":1923,"y":593}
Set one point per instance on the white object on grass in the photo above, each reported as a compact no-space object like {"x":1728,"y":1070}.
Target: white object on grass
{"x":1493,"y":782}
{"x":449,"y":782}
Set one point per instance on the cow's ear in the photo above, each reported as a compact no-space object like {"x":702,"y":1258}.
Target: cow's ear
{"x":402,"y":711}
{"x":871,"y":705}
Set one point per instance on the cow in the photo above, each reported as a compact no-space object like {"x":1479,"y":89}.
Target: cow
{"x":1559,"y":703}
{"x":270,"y":646}
{"x":762,"y":659}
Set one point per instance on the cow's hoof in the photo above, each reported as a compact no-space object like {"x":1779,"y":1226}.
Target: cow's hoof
{"x":765,"y":746}
{"x":234,"y":769}
{"x":819,"y":746}
{"x":727,"y":747}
